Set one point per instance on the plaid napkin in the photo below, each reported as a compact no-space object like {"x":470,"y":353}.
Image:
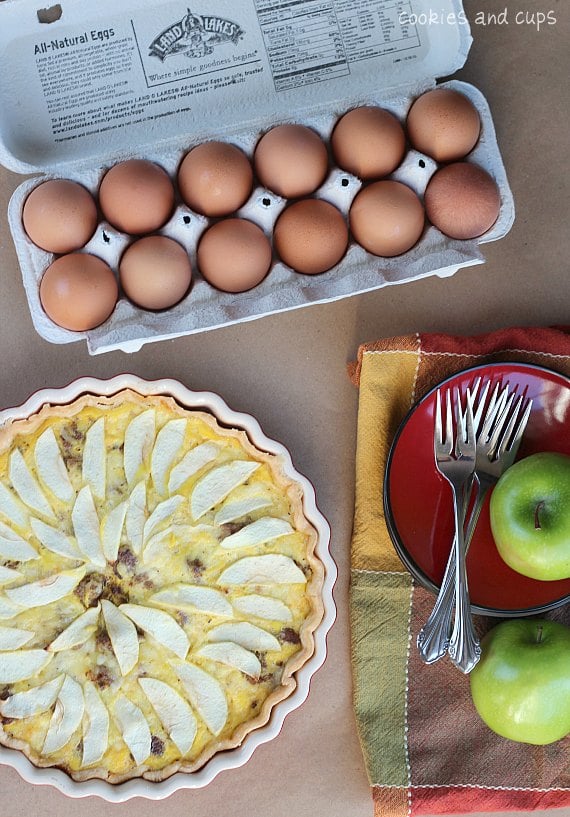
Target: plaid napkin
{"x":426,"y":750}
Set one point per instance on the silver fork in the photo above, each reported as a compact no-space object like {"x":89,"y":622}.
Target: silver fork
{"x":433,"y":638}
{"x":455,"y":461}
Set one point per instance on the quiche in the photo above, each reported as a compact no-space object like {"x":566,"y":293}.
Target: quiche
{"x":159,"y":586}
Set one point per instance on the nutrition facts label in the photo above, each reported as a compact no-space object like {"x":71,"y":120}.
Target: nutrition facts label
{"x":314,"y":40}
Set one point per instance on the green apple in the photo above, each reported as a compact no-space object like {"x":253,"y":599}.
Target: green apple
{"x":521,"y":684}
{"x":530,"y":516}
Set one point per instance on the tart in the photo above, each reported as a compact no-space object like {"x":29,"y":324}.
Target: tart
{"x":159,"y":586}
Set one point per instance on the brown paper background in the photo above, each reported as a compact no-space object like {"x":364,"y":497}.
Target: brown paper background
{"x":290,"y":372}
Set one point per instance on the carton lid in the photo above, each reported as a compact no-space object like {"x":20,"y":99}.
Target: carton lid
{"x":101,"y":78}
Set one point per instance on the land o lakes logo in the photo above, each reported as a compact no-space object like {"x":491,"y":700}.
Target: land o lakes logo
{"x":195,"y":35}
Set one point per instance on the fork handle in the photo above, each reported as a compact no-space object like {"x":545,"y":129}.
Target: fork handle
{"x":433,"y":638}
{"x":464,"y":648}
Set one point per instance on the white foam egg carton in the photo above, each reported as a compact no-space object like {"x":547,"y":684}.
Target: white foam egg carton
{"x":240,"y":120}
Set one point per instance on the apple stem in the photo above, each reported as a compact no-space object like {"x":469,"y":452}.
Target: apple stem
{"x":538,"y":508}
{"x":539,"y":633}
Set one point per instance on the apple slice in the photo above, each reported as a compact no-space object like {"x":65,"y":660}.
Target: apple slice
{"x":95,"y":726}
{"x":173,"y":712}
{"x":160,"y":625}
{"x":8,"y":610}
{"x":12,"y":508}
{"x":134,"y":728}
{"x":27,"y":486}
{"x":139,"y":438}
{"x":46,"y":590}
{"x":205,"y":694}
{"x":270,"y":568}
{"x":18,"y":665}
{"x":14,"y":547}
{"x":51,"y":467}
{"x":66,"y":718}
{"x":217,"y":484}
{"x":194,"y":598}
{"x":9,"y":575}
{"x":112,"y":530}
{"x":56,"y":541}
{"x":123,"y":635}
{"x":160,"y":514}
{"x":257,"y":533}
{"x":136,"y":517}
{"x":265,"y":607}
{"x":233,"y":655}
{"x":246,"y":635}
{"x":87,"y":528}
{"x":191,"y":463}
{"x":94,"y":467}
{"x":166,"y":447}
{"x":230,"y":511}
{"x":77,"y":632}
{"x":33,"y":701}
{"x":156,"y":546}
{"x":12,"y":638}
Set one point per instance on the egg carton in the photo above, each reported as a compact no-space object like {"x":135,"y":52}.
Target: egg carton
{"x":206,"y":308}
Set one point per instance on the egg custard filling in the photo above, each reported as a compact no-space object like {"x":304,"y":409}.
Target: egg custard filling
{"x":159,"y":586}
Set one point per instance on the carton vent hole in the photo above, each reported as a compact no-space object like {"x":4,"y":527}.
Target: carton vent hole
{"x":421,"y":163}
{"x":344,"y":182}
{"x":106,"y":238}
{"x":186,"y":219}
{"x":265,"y":201}
{"x":49,"y":15}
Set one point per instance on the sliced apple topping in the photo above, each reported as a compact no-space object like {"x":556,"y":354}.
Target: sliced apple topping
{"x":160,"y":625}
{"x":12,"y":638}
{"x":194,"y":598}
{"x":8,"y":575}
{"x":155,"y":547}
{"x":230,"y":511}
{"x":166,"y":448}
{"x":94,"y":469}
{"x":245,"y":634}
{"x":46,"y":590}
{"x":66,"y":717}
{"x":78,"y":632}
{"x":14,"y":547}
{"x":205,"y":694}
{"x":33,"y":701}
{"x":217,"y":484}
{"x":87,"y":528}
{"x":265,"y":607}
{"x":18,"y":665}
{"x":51,"y":467}
{"x":136,"y":517}
{"x":8,"y":610}
{"x":233,"y":655}
{"x":27,"y":486}
{"x":12,"y":508}
{"x":95,"y":726}
{"x":270,"y":568}
{"x":258,"y":533}
{"x":191,"y":463}
{"x":56,"y":541}
{"x":161,"y":513}
{"x":123,"y":635}
{"x":134,"y":728}
{"x":139,"y":438}
{"x":112,"y":530}
{"x":173,"y":712}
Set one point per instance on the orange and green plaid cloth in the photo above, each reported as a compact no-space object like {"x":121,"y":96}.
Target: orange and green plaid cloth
{"x":426,"y":750}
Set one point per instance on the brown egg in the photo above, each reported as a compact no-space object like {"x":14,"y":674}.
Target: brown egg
{"x":234,"y":255}
{"x":462,"y":200}
{"x":368,"y":142}
{"x":387,"y":218}
{"x":78,"y":291}
{"x":444,"y":124}
{"x":136,"y":196}
{"x":215,"y":178}
{"x":311,"y":236}
{"x":155,"y":272}
{"x":291,"y":160}
{"x":59,"y":216}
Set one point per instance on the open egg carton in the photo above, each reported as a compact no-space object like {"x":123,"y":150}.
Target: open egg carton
{"x":240,"y":121}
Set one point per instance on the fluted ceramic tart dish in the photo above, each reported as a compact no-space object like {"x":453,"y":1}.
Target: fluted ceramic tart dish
{"x":165,"y":587}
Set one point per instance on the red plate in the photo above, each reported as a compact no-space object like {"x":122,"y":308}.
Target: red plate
{"x":418,"y":501}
